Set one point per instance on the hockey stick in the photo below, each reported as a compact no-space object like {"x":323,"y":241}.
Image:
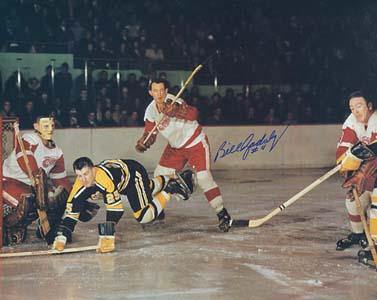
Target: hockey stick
{"x":196,"y":70}
{"x":48,"y":252}
{"x":365,"y":225}
{"x":45,"y":225}
{"x":259,"y":222}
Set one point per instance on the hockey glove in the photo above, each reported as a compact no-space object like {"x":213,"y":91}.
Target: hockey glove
{"x":59,"y":242}
{"x":175,"y":110}
{"x":141,"y":146}
{"x":89,"y":211}
{"x":63,"y":234}
{"x":351,"y":160}
{"x":106,"y":242}
{"x":364,"y":178}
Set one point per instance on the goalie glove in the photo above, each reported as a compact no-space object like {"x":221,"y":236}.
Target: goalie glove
{"x":106,"y":242}
{"x":141,"y":146}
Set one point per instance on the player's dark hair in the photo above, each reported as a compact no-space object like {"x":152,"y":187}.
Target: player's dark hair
{"x":358,"y":94}
{"x":362,"y":94}
{"x":158,"y":80}
{"x":82,"y":162}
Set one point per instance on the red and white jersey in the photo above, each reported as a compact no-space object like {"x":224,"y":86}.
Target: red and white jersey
{"x":354,"y":132}
{"x":51,"y":160}
{"x":180,"y":133}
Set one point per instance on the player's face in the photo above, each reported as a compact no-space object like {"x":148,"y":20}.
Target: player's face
{"x":45,"y":128}
{"x":359,"y":108}
{"x":86,"y":175}
{"x":158,"y":91}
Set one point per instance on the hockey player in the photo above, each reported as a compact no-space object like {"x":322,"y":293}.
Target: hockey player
{"x":19,"y":196}
{"x":355,"y":152}
{"x":111,"y":179}
{"x":187,"y":143}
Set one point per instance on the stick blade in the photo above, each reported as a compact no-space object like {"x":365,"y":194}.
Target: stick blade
{"x":240,"y":223}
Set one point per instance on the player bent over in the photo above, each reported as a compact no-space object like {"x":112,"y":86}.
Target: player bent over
{"x":111,"y":179}
{"x":187,"y":143}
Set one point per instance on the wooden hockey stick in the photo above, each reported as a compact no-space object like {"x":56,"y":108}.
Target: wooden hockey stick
{"x":45,"y":225}
{"x":259,"y":222}
{"x":48,"y":252}
{"x":365,"y":225}
{"x":197,"y":69}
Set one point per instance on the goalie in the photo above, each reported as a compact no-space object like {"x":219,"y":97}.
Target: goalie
{"x":45,"y":160}
{"x":109,"y":180}
{"x":356,"y":152}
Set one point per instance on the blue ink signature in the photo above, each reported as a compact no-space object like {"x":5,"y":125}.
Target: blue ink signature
{"x":249,"y":145}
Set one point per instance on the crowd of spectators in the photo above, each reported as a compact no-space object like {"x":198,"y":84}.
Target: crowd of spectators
{"x":115,"y":101}
{"x":328,"y":45}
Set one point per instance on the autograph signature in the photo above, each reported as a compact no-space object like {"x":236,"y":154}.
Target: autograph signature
{"x":250,"y":145}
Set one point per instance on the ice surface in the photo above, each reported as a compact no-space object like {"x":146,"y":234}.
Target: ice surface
{"x":292,"y":256}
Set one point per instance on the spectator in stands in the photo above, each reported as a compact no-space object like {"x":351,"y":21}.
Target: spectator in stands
{"x":46,"y":82}
{"x":13,"y":92}
{"x":123,"y":118}
{"x":107,"y":120}
{"x":73,"y":118}
{"x":290,"y":119}
{"x":7,"y":110}
{"x":63,"y":83}
{"x":103,"y":80}
{"x":34,"y":89}
{"x":271,"y":117}
{"x":43,"y":105}
{"x":153,"y":53}
{"x":28,"y":115}
{"x":90,"y":120}
{"x":116,"y":113}
{"x":216,"y":118}
{"x":133,"y":119}
{"x":84,"y":104}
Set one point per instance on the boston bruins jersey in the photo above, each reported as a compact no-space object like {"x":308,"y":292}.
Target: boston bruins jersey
{"x":111,"y":179}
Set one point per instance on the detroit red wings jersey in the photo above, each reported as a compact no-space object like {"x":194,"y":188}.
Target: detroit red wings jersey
{"x":354,"y":132}
{"x":49,"y":159}
{"x":180,"y":133}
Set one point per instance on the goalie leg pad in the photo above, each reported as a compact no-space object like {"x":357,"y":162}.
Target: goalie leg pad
{"x":14,"y":235}
{"x":24,"y":213}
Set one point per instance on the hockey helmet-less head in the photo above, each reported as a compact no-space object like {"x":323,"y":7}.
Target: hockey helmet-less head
{"x":45,"y":127}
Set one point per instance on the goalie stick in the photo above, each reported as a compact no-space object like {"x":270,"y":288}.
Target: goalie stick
{"x":45,"y":225}
{"x":47,"y":252}
{"x":259,"y":222}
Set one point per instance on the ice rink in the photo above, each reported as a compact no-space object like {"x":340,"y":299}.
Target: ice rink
{"x":292,"y":256}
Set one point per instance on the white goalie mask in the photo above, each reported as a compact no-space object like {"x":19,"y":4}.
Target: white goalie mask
{"x":45,"y":127}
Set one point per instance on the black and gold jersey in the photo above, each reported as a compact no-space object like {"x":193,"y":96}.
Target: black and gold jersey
{"x":111,"y":179}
